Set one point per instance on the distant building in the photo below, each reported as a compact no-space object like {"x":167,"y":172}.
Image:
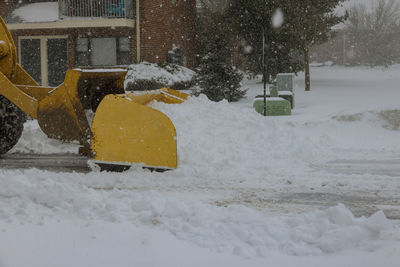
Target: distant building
{"x":344,"y":48}
{"x":52,"y":36}
{"x":337,"y":50}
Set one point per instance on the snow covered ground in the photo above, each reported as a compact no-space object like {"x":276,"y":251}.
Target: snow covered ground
{"x":313,"y":189}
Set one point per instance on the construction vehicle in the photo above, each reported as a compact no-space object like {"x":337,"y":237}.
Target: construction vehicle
{"x":124,"y":131}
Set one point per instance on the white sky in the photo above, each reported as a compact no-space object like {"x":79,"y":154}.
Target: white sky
{"x":350,"y":3}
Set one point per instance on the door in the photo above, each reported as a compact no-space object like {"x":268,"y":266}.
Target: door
{"x":30,"y":58}
{"x":57,"y":58}
{"x":44,"y":58}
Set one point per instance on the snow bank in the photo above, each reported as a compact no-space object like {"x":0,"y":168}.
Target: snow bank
{"x":235,"y":144}
{"x":223,"y":140}
{"x":245,"y":232}
{"x":167,"y":75}
{"x":103,"y":245}
{"x":33,"y":140}
{"x":108,"y":244}
{"x":42,"y":197}
{"x":37,"y":12}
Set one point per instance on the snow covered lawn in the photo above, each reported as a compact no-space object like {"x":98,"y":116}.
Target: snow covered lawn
{"x":249,"y":190}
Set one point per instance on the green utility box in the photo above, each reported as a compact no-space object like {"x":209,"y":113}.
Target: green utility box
{"x":287,"y":96}
{"x":275,"y":106}
{"x":282,"y":87}
{"x":273,"y":91}
{"x":284,"y":81}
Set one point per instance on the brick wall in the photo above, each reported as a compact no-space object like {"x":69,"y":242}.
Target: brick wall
{"x":165,"y":23}
{"x":332,"y":50}
{"x":5,"y":6}
{"x":342,"y":49}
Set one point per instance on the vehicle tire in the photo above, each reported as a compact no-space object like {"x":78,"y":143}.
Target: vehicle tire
{"x":11,"y":124}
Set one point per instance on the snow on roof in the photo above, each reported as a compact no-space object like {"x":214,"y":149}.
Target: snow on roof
{"x":37,"y":12}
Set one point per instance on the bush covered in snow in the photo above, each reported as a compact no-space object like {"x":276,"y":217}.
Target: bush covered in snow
{"x":148,"y":76}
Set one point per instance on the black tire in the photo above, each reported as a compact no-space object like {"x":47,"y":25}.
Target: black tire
{"x":11,"y":124}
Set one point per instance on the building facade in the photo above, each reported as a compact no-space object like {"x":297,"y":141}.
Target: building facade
{"x":341,"y":49}
{"x":54,"y":36}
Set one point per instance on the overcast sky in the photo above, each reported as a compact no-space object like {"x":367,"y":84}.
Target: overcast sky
{"x":350,"y":3}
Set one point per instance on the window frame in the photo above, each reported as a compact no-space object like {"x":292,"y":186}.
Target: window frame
{"x":123,"y":57}
{"x":43,"y":53}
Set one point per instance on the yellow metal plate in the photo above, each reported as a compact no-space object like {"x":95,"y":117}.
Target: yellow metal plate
{"x":8,"y":54}
{"x":126,"y":133}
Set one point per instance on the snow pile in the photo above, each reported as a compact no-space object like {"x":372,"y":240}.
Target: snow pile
{"x":231,"y":141}
{"x":235,"y":144}
{"x":33,"y":140}
{"x":102,"y":245}
{"x":41,"y":197}
{"x":37,"y":12}
{"x":167,"y":75}
{"x":388,"y":118}
{"x":245,"y":232}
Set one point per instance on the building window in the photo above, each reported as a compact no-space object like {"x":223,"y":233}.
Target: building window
{"x":124,"y":51}
{"x":175,"y":56}
{"x":109,"y":51}
{"x":30,"y":57}
{"x":82,"y":52}
{"x":45,"y":58}
{"x":103,"y":51}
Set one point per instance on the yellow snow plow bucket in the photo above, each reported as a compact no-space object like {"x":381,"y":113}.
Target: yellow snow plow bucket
{"x":124,"y":130}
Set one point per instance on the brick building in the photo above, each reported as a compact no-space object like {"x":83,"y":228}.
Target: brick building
{"x":338,"y":50}
{"x":5,"y":7}
{"x":52,"y":36}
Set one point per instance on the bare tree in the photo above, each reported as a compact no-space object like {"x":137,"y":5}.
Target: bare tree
{"x":311,"y":22}
{"x":374,"y":32}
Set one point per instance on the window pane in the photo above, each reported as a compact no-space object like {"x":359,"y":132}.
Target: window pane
{"x":30,"y":58}
{"x":57,"y":60}
{"x":124,"y":44}
{"x":124,"y":58}
{"x":82,"y":44}
{"x":82,"y":58}
{"x":103,"y":51}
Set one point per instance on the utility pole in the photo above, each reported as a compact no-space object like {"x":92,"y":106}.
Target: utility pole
{"x":344,"y":47}
{"x":264,"y":74}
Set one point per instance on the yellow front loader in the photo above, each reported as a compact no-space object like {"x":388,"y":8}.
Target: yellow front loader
{"x":124,"y":131}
